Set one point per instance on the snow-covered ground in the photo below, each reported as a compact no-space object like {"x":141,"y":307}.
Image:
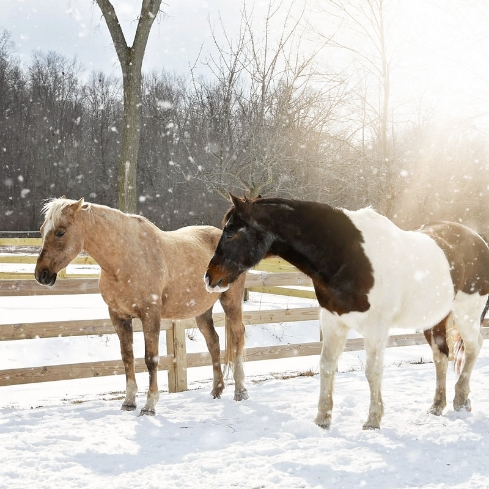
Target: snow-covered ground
{"x":72,"y":434}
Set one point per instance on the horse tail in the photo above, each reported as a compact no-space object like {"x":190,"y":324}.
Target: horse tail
{"x":456,"y":346}
{"x":458,"y":354}
{"x":230,"y":354}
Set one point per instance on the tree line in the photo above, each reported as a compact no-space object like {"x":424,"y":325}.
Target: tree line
{"x":263,"y":122}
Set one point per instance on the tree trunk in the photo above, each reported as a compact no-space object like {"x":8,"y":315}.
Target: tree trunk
{"x":131,"y":131}
{"x":131,"y":60}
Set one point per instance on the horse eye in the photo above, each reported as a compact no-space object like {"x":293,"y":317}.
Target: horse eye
{"x":60,"y":233}
{"x":228,"y":235}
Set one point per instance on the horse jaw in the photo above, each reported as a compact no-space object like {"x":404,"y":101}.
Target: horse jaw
{"x":216,"y":288}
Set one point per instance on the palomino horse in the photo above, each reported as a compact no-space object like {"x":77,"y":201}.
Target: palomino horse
{"x":368,"y":275}
{"x":149,"y":274}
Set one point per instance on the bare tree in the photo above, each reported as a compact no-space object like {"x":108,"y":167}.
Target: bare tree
{"x":362,"y":30}
{"x":265,"y":110}
{"x":103,"y":104}
{"x":131,"y":60}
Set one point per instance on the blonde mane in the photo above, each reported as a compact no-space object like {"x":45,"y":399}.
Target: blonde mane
{"x":53,"y":208}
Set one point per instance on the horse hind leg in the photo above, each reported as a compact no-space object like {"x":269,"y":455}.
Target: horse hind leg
{"x":437,"y":339}
{"x":232,"y":303}
{"x":123,"y":328}
{"x":466,"y":313}
{"x":235,"y":339}
{"x":205,"y":324}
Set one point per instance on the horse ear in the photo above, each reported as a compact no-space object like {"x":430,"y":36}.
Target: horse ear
{"x":242,"y":206}
{"x":236,"y":201}
{"x":77,"y":205}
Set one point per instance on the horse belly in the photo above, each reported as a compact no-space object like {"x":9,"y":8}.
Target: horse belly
{"x":187,"y":305}
{"x":423,"y":292}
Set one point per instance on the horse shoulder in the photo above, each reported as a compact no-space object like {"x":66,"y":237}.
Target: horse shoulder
{"x":345,"y":277}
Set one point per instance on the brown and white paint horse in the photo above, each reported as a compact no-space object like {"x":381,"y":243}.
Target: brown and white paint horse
{"x":370,"y":276}
{"x":148,"y":274}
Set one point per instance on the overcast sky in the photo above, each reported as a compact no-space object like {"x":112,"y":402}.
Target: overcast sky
{"x":76,"y":28}
{"x":439,"y":48}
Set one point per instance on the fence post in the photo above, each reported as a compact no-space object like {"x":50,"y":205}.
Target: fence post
{"x":175,"y":344}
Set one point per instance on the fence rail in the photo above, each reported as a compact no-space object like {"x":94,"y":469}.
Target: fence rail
{"x":271,"y":276}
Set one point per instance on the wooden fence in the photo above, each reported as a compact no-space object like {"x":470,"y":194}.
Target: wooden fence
{"x":272,"y":276}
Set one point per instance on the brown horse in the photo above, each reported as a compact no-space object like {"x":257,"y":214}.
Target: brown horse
{"x":148,"y":274}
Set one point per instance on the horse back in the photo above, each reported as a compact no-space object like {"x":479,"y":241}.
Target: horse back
{"x":193,"y":245}
{"x":165,"y":267}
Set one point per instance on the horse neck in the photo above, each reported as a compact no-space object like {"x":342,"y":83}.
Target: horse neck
{"x":312,"y":248}
{"x":294,"y":257}
{"x":104,"y":230}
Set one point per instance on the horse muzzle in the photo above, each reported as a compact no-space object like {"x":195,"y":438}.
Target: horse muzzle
{"x":221,"y":284}
{"x":45,"y":277}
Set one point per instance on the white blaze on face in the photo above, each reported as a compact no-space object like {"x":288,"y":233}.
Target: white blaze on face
{"x":47,"y":227}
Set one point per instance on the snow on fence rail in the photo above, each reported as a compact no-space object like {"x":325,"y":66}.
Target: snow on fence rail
{"x":273,"y":276}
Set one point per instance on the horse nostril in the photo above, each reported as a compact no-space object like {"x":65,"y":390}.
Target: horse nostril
{"x":44,"y":276}
{"x":219,"y":283}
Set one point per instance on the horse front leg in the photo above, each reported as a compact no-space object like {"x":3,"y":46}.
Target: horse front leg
{"x":151,"y":332}
{"x":232,"y":303}
{"x":374,"y":369}
{"x":334,"y":339}
{"x":205,"y":324}
{"x":437,"y":339}
{"x":123,"y":328}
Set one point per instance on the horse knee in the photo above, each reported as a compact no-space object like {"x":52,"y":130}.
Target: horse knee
{"x":374,"y":370}
{"x":152,"y":362}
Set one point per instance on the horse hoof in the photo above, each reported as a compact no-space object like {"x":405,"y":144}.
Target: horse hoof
{"x":241,"y":396}
{"x":369,"y":427}
{"x":147,"y":412}
{"x":216,"y":394}
{"x":435,"y":410}
{"x":325,"y":424}
{"x":128,"y":407}
{"x":464,"y":405}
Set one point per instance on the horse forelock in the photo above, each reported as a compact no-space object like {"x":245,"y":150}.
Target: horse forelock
{"x":228,"y":216}
{"x":52,"y":210}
